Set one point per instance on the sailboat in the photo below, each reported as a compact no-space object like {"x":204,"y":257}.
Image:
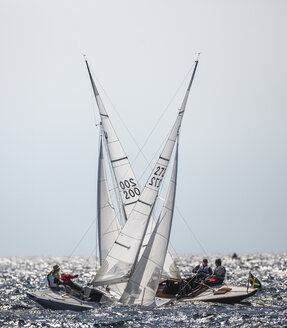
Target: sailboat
{"x":108,"y":230}
{"x":134,"y":258}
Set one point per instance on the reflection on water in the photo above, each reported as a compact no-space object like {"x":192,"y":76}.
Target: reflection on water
{"x":267,"y":308}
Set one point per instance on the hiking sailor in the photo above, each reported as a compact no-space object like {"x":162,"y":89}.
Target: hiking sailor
{"x":218,"y":275}
{"x":53,"y":278}
{"x":202,"y":270}
{"x":67,"y":281}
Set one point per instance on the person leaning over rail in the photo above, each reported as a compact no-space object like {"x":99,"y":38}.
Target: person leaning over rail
{"x":67,"y":281}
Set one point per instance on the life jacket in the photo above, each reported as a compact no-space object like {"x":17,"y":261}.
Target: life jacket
{"x":67,"y":278}
{"x":53,"y":279}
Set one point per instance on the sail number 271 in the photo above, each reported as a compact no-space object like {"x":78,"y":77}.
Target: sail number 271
{"x":129,"y":188}
{"x":157,"y":176}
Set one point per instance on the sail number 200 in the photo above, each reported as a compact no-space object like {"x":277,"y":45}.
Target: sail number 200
{"x":158,"y":175}
{"x":129,"y":188}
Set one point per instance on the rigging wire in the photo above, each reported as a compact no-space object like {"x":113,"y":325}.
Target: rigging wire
{"x":84,"y":235}
{"x":188,"y":227}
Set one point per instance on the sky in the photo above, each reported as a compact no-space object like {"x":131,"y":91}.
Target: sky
{"x":232,"y":161}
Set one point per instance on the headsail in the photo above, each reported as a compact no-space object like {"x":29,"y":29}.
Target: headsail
{"x":108,"y":224}
{"x":142,"y":286}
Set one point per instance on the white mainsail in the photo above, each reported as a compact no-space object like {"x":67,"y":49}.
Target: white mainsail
{"x":142,"y":286}
{"x":108,"y":224}
{"x":170,"y":270}
{"x":126,"y":180}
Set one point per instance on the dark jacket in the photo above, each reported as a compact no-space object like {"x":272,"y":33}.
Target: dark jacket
{"x":203,"y":270}
{"x":220,"y":272}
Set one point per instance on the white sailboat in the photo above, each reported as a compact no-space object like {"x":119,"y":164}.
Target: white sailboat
{"x":108,"y":230}
{"x":132,"y":260}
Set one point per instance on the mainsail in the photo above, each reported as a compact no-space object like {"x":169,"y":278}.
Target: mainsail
{"x":128,"y":186}
{"x":126,"y":180}
{"x":170,"y":270}
{"x":108,"y":224}
{"x":142,"y":286}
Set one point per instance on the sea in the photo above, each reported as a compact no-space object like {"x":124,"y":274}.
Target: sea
{"x":268,"y":308}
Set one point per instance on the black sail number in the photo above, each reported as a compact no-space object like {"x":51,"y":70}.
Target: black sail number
{"x":157,"y":176}
{"x":129,"y":188}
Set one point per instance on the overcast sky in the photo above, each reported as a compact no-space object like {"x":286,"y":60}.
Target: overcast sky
{"x":233,"y":161}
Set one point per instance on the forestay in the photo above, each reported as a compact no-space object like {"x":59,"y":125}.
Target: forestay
{"x":142,"y":286}
{"x":108,"y":224}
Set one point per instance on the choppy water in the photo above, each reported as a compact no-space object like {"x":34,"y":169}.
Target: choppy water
{"x":267,"y":308}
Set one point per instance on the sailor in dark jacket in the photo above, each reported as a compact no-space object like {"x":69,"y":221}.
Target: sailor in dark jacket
{"x":218,"y":274}
{"x":203,"y":269}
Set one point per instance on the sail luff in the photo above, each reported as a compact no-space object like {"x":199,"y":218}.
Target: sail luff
{"x":142,"y":286}
{"x":122,"y":170}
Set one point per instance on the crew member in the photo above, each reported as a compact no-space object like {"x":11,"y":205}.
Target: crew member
{"x":67,"y":280}
{"x":53,"y":278}
{"x":202,"y":270}
{"x":218,"y":274}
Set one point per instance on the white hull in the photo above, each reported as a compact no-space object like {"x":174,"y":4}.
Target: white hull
{"x":222,"y":294}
